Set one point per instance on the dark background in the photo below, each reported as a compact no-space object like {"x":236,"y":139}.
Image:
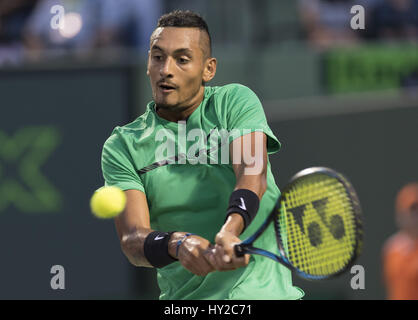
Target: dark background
{"x":376,"y":150}
{"x":343,"y":99}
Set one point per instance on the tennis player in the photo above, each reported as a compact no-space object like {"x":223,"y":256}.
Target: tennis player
{"x":184,"y":218}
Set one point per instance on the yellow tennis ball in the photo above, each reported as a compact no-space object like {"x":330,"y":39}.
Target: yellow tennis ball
{"x":107,"y":202}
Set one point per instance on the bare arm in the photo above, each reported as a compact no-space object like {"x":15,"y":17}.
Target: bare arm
{"x":133,"y":227}
{"x":250,"y":158}
{"x":250,"y":171}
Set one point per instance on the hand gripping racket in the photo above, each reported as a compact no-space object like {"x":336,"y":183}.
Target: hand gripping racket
{"x":318,"y":225}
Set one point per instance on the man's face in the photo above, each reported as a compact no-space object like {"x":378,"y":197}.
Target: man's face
{"x":176,"y":65}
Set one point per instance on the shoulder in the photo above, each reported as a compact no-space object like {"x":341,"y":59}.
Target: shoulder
{"x":234,"y":98}
{"x":232,"y":90}
{"x":397,"y":244}
{"x":129,"y":132}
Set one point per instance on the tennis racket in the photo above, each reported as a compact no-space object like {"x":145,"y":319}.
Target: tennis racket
{"x":318,"y":225}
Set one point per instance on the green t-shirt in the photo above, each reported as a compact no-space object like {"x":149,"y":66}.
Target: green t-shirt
{"x":194,"y":197}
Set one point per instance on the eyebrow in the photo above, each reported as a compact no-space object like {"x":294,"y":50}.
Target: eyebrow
{"x":177,"y":51}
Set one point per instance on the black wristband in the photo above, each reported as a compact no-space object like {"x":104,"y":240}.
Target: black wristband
{"x":156,"y":249}
{"x":244,"y":202}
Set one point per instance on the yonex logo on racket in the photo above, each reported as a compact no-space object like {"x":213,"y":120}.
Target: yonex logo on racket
{"x":334,"y":225}
{"x":318,"y":225}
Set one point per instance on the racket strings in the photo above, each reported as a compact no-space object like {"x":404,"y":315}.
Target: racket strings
{"x":317,"y":228}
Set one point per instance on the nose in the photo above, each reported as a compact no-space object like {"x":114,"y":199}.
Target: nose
{"x":167,"y":67}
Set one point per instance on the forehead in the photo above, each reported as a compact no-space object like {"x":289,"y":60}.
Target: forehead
{"x":172,"y":38}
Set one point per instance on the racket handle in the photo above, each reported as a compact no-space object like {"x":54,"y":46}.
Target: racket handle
{"x":239,"y":250}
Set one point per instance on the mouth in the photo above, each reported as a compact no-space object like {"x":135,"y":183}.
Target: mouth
{"x":166,"y":87}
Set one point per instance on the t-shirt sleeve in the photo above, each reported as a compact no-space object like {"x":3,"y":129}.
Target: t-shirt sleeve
{"x":246,"y":114}
{"x":117,"y":166}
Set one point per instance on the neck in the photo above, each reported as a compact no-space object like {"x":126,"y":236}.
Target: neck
{"x":176,"y":114}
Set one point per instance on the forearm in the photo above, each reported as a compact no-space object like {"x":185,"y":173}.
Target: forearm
{"x":255,"y":183}
{"x":132,"y":245}
{"x":233,"y":224}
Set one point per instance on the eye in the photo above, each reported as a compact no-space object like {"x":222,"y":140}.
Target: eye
{"x":157,"y":57}
{"x":183,"y":60}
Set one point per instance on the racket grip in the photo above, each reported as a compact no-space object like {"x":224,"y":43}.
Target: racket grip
{"x":239,"y":250}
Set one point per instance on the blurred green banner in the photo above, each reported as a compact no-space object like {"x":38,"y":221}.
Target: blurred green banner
{"x":372,"y":67}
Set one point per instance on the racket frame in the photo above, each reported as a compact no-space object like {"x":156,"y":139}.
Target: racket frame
{"x":246,"y":246}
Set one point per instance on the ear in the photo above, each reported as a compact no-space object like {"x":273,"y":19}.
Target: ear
{"x":210,"y":69}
